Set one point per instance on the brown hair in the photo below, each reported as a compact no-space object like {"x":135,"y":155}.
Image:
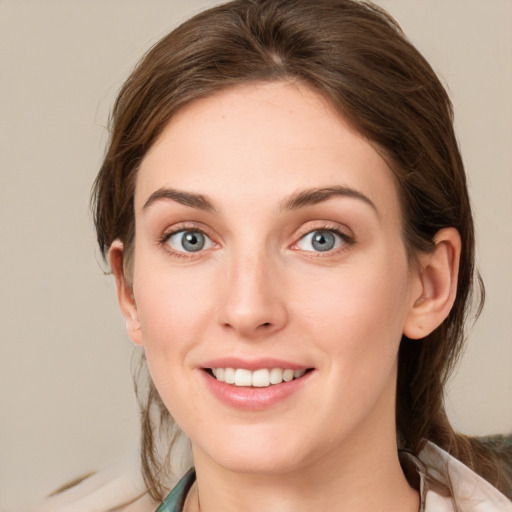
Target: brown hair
{"x":356,"y":56}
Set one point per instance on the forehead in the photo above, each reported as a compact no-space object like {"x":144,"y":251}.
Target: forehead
{"x":260,"y":142}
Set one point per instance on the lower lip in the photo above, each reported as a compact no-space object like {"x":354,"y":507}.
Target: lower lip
{"x":254,"y":399}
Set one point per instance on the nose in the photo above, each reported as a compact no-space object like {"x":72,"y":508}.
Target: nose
{"x":253,"y":304}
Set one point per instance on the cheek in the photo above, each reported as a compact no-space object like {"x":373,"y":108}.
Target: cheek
{"x":358,"y":310}
{"x":172,"y":311}
{"x":356,"y":323}
{"x":173,"y":305}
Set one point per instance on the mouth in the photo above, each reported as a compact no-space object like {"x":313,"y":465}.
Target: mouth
{"x":261,"y":378}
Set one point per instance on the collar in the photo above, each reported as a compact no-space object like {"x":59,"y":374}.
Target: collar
{"x":447,"y":485}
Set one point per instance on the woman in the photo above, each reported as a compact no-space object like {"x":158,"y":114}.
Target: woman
{"x":284,"y":208}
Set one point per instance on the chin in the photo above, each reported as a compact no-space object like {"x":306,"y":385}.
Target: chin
{"x":257,"y":453}
{"x":263,"y":464}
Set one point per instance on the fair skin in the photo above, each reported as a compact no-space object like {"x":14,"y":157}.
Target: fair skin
{"x":269,"y":235}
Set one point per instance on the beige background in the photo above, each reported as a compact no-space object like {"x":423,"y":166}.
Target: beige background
{"x":65,"y":382}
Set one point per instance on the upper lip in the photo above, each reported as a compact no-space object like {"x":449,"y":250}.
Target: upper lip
{"x":253,"y":364}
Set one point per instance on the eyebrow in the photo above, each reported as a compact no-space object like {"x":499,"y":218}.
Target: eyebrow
{"x":318,"y":195}
{"x":198,"y":201}
{"x":297,"y":200}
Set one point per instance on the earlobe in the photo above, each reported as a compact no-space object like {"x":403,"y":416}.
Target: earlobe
{"x":125,"y":296}
{"x":437,"y":278}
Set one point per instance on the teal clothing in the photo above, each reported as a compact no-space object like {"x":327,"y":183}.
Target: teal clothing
{"x":176,"y":499}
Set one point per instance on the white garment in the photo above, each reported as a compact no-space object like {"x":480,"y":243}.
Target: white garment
{"x":104,"y":491}
{"x":119,"y":488}
{"x":470,"y":492}
{"x":111,"y":488}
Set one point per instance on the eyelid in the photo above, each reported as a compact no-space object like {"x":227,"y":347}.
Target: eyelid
{"x":182,"y":232}
{"x":183,"y":227}
{"x":344,"y":233}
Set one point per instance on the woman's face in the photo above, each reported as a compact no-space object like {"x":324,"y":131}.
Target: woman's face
{"x":268,"y":244}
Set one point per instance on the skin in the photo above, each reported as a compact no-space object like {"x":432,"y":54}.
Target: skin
{"x":260,"y":289}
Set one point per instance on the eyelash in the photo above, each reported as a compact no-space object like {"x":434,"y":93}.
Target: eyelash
{"x":164,"y":239}
{"x":347,"y":240}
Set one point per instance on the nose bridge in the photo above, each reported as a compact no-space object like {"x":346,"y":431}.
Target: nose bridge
{"x":253,"y":301}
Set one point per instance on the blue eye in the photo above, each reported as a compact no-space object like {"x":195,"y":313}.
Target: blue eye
{"x":321,"y":240}
{"x":189,"y":241}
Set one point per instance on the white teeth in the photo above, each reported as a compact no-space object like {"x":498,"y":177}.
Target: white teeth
{"x":258,"y":379}
{"x":261,"y":378}
{"x":287,"y":375}
{"x":243,"y":377}
{"x":229,"y":375}
{"x":276,"y":376}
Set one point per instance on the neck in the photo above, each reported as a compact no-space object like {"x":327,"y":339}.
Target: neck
{"x":349,"y":478}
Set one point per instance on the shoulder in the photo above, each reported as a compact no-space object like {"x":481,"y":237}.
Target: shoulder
{"x":97,"y":495}
{"x":469,"y":492}
{"x":118,"y":488}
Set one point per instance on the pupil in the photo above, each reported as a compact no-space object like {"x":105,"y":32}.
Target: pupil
{"x":193,"y":241}
{"x":323,"y":241}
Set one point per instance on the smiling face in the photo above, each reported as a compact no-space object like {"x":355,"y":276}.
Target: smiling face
{"x":269,"y":238}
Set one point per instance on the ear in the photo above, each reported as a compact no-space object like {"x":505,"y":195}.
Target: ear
{"x":436,"y":285}
{"x":125,"y":292}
